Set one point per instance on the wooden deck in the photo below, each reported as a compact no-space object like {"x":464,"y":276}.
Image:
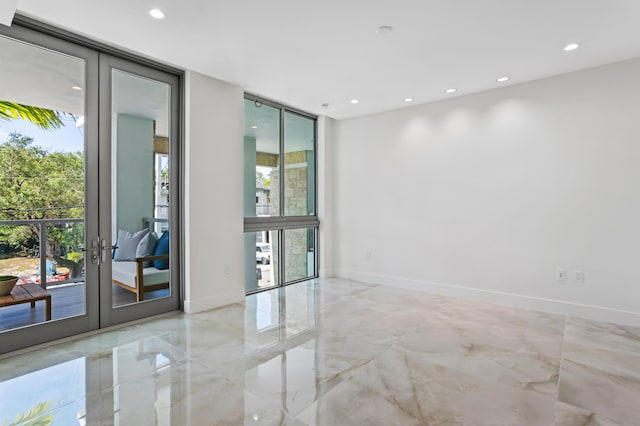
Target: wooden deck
{"x":66,"y":301}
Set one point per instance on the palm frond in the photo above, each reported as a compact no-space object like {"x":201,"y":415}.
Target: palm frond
{"x":36,"y":416}
{"x":44,"y":118}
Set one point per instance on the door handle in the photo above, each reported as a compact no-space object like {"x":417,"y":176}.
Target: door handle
{"x":93,"y":251}
{"x":106,"y":248}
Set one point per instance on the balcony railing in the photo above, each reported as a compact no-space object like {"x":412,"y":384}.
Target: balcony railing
{"x":262,"y":209}
{"x":50,"y":265}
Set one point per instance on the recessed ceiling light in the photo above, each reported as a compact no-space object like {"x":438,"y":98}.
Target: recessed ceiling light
{"x":408,"y":99}
{"x":156,"y":13}
{"x":76,"y":87}
{"x":254,"y":127}
{"x":571,"y":46}
{"x":452,"y":90}
{"x":354,"y":101}
{"x":384,"y":30}
{"x":503,"y":79}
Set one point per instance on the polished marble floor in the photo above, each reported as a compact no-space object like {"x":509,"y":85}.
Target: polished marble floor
{"x":336,"y":352}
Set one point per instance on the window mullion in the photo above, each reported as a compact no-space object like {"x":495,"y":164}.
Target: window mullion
{"x":282,"y":165}
{"x":282,"y":257}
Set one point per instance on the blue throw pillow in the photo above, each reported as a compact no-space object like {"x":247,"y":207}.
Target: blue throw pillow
{"x":162,"y":248}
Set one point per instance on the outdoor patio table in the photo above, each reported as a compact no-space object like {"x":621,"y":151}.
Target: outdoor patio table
{"x":28,"y":293}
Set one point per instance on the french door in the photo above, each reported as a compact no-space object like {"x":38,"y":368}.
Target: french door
{"x":88,"y":170}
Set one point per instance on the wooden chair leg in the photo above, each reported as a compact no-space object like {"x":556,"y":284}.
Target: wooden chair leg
{"x":139,"y":283}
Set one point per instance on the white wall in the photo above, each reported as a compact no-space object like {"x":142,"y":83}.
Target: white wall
{"x":325,"y":182}
{"x":487,"y":195}
{"x":213,"y":193}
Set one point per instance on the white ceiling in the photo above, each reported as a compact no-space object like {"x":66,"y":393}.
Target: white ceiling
{"x":306,"y":53}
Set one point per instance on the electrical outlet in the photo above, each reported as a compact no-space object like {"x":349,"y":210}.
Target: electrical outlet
{"x":578,"y":276}
{"x":368,"y":255}
{"x":561,"y":275}
{"x":227,"y":269}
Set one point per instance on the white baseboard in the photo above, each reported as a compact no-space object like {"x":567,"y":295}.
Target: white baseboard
{"x":325,"y":273}
{"x":206,"y":303}
{"x":598,"y":313}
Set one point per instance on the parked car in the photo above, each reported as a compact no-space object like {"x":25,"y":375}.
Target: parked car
{"x":263,"y":253}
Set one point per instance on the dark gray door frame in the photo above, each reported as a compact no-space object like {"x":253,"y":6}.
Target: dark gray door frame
{"x":56,"y":329}
{"x":108,"y":315}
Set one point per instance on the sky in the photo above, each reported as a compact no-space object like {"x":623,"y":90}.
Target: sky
{"x":66,"y":139}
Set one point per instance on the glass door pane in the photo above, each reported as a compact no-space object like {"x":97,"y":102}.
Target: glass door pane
{"x":135,"y":217}
{"x":43,"y":176}
{"x":140,"y":188}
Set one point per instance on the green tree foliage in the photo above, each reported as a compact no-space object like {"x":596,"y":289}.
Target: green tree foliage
{"x":262,"y":179}
{"x":36,"y":184}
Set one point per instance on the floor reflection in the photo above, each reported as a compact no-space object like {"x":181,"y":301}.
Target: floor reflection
{"x":174,"y":370}
{"x":334,"y":352}
{"x":272,"y":317}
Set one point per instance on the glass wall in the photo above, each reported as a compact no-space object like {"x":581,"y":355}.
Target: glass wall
{"x":299,"y":165}
{"x":262,"y":157}
{"x":279,"y":194}
{"x":266,"y":246}
{"x":299,"y":248}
